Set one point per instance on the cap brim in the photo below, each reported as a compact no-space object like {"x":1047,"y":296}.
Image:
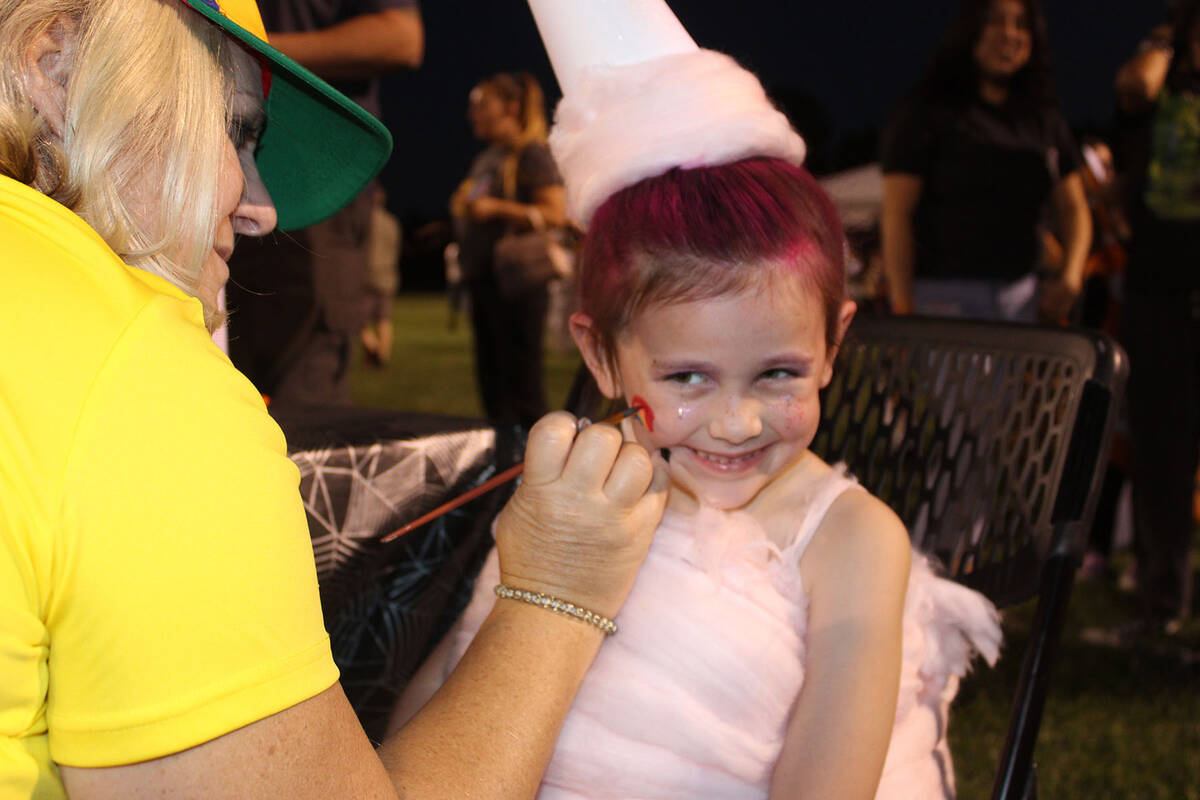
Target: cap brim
{"x":318,"y":148}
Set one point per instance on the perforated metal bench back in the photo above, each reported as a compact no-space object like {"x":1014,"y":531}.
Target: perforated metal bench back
{"x":964,"y":429}
{"x":989,"y":441}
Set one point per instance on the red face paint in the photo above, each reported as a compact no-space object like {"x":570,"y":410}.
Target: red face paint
{"x":646,"y":415}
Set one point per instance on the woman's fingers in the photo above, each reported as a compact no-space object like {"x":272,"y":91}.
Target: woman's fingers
{"x":639,"y":482}
{"x":661,"y":481}
{"x":580,"y":523}
{"x":550,"y":442}
{"x":630,"y":476}
{"x":584,"y":456}
{"x":592,"y":458}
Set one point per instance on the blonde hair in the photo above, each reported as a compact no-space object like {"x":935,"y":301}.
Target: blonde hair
{"x":147,"y":107}
{"x":524,"y":90}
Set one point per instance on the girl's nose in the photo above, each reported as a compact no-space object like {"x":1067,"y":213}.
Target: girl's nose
{"x":739,"y":421}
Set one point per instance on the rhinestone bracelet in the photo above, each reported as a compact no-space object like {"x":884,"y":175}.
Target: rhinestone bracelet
{"x":559,"y":606}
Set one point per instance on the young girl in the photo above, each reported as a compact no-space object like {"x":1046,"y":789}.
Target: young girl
{"x":763,"y":646}
{"x":781,"y":639}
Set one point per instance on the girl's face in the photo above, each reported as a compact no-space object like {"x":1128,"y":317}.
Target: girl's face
{"x":731,"y":383}
{"x":1006,"y":41}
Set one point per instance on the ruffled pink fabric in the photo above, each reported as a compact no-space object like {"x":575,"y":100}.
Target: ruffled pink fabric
{"x":691,"y":698}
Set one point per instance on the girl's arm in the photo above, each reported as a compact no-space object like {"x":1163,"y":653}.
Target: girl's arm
{"x":857,"y":567}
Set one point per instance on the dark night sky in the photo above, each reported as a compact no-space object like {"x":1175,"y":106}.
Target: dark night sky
{"x":836,"y":67}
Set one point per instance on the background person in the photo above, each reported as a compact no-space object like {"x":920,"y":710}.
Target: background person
{"x":970,"y":161}
{"x":1158,"y":91}
{"x":384,"y":242}
{"x":513,"y":185}
{"x":160,"y":629}
{"x":298,"y":301}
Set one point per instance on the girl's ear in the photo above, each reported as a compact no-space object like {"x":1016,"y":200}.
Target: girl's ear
{"x":591,"y":346}
{"x":46,"y":66}
{"x":845,"y":316}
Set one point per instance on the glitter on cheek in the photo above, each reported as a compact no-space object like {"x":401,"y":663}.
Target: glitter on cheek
{"x":682,"y":412}
{"x":790,"y":410}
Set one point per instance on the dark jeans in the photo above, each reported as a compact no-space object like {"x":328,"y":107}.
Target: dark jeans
{"x":1162,"y":337}
{"x":508,"y":352}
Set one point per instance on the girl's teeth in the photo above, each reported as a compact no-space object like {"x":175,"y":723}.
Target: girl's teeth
{"x":723,"y":460}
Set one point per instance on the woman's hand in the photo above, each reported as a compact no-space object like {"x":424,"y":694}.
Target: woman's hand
{"x":580,"y":524}
{"x":484,"y":208}
{"x":1057,"y":299}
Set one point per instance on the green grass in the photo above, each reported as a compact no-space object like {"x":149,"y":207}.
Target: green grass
{"x":1120,"y":722}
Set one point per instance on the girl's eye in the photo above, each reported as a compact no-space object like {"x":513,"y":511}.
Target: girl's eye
{"x":686,"y":378}
{"x":780,"y":373}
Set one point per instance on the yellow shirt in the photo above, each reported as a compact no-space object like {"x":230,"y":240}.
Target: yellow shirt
{"x":157,"y":585}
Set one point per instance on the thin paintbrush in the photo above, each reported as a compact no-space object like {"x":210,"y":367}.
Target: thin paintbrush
{"x":488,"y":485}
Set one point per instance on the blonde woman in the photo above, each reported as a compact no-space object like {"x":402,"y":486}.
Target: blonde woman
{"x":512,"y":186}
{"x":160,"y":633}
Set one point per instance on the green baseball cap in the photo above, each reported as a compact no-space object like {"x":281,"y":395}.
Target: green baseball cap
{"x":318,"y":148}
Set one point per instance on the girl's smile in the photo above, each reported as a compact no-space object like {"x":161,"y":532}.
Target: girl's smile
{"x":728,"y":464}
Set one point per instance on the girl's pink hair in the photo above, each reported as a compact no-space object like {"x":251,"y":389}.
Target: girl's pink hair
{"x":694,"y":234}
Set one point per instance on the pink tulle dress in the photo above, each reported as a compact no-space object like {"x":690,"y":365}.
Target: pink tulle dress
{"x":691,"y":698}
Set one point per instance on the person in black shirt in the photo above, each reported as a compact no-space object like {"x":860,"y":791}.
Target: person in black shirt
{"x":970,"y":161}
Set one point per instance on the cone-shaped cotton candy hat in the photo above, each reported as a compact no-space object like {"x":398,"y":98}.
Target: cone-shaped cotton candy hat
{"x":639,"y":98}
{"x":612,"y":33}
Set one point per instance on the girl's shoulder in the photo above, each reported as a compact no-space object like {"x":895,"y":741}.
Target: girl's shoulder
{"x":857,"y":533}
{"x":794,"y":502}
{"x":812,"y":496}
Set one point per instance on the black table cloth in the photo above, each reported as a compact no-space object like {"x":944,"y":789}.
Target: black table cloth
{"x":364,"y":473}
